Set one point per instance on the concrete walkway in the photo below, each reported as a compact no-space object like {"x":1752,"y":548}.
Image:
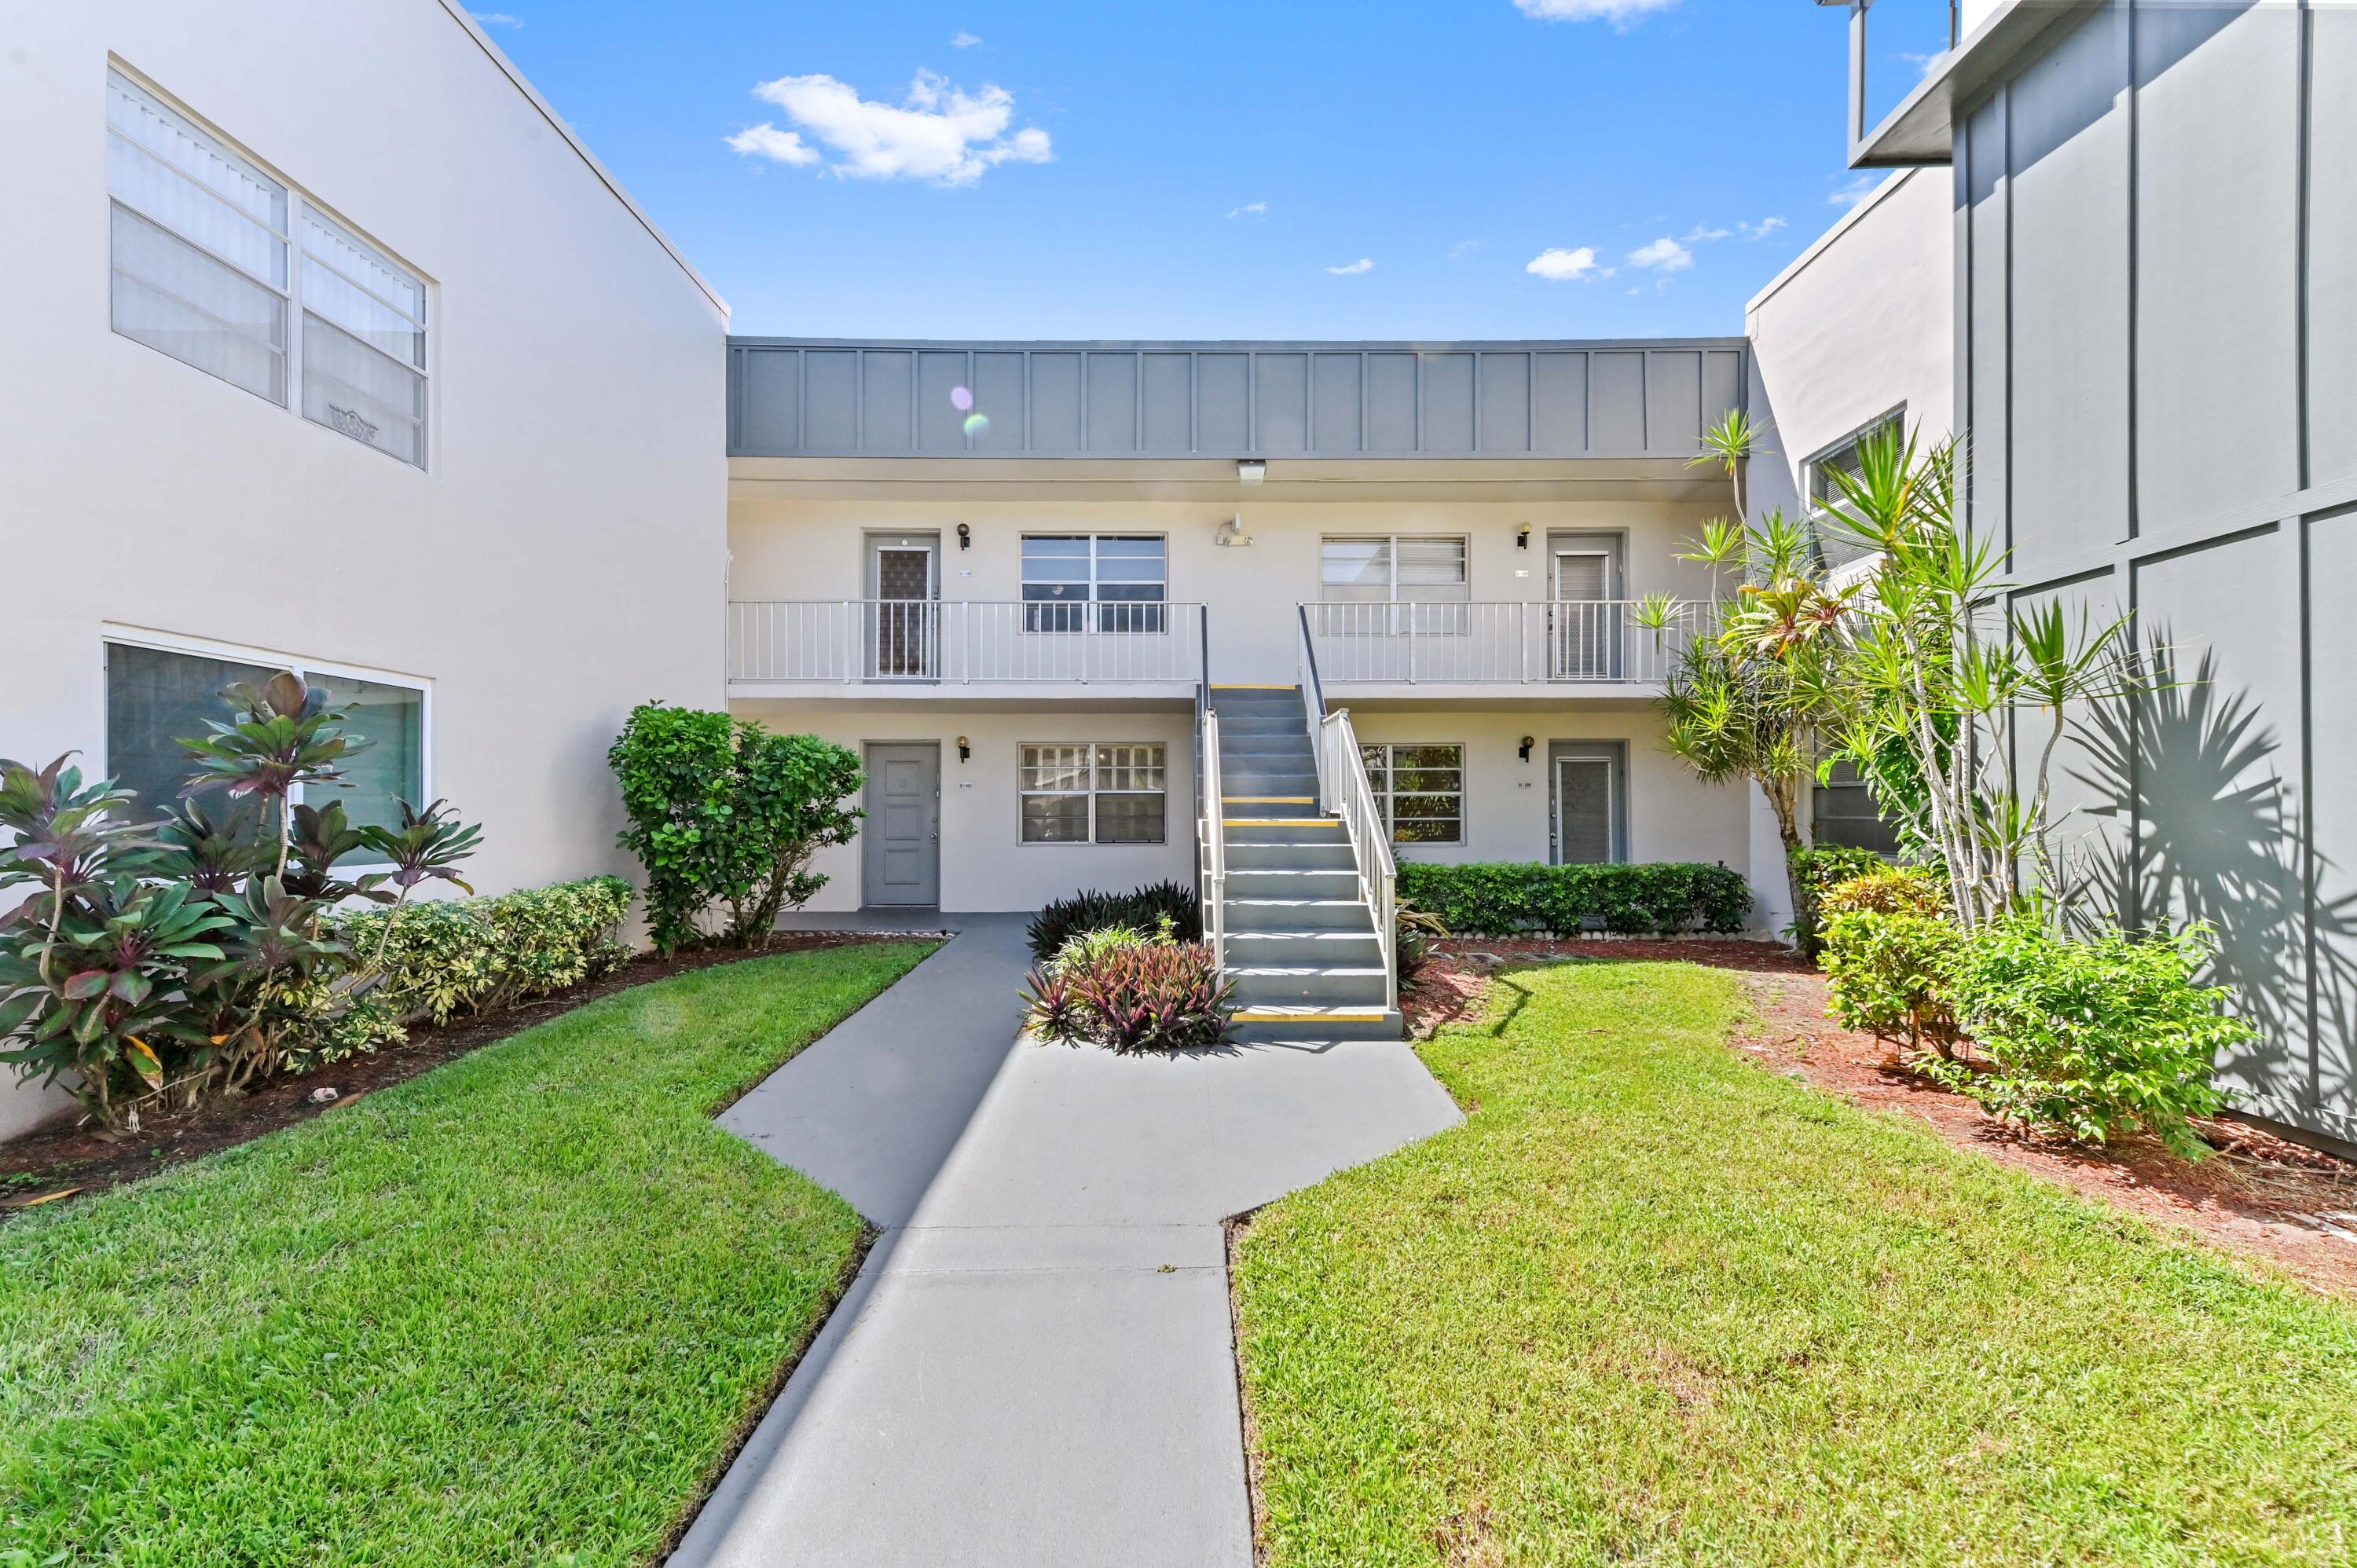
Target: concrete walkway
{"x":1034,"y":1367}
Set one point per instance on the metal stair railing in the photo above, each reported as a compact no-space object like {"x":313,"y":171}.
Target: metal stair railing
{"x":1345,"y":791}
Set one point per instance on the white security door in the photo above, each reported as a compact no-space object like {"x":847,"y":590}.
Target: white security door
{"x":901,"y":637}
{"x":1585,"y":643}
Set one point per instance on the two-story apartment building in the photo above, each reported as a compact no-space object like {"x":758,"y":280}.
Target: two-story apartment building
{"x":2154,"y":320}
{"x":1003,"y":570}
{"x":329,"y":347}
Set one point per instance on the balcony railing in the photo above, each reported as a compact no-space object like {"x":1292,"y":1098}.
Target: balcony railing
{"x":1596,"y":641}
{"x":965,"y":641}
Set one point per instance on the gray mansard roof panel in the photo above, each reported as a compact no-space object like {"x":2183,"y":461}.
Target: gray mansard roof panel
{"x":841,"y":398}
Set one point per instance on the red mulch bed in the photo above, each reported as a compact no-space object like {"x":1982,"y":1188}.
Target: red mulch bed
{"x":2261,"y":1196}
{"x":65,"y":1157}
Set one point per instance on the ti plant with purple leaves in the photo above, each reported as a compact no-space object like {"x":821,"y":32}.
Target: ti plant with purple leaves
{"x":161,"y":959}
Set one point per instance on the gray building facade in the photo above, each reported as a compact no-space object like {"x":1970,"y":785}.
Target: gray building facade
{"x":2155,"y":215}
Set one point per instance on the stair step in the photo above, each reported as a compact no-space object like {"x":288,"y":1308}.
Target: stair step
{"x":1313,"y":1026}
{"x":1259,"y":724}
{"x":1295,"y":986}
{"x":1254,"y":857}
{"x":1301,"y":949}
{"x":1250,"y":915}
{"x":1267,"y":829}
{"x":1292,"y":882}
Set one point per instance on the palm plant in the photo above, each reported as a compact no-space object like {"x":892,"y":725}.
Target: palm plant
{"x":1931,"y":668}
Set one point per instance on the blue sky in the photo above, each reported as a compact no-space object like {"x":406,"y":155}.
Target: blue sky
{"x":1208,"y":170}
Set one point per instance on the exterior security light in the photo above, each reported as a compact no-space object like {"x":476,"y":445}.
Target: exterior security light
{"x":1251,"y":471}
{"x":1528,"y":742}
{"x":1231,"y":532}
{"x":965,"y":537}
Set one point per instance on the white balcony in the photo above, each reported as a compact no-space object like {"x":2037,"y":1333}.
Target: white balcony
{"x":1519,"y":647}
{"x":851,"y":648}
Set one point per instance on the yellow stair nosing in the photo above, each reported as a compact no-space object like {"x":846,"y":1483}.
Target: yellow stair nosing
{"x":1268,"y":799}
{"x":1280,"y":821}
{"x":1251,"y":686}
{"x":1305,"y":1015}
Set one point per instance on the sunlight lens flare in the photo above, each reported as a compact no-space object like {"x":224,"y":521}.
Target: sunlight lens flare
{"x":961,"y":398}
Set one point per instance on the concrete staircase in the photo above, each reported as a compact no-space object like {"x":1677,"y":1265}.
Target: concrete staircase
{"x":1301,"y":943}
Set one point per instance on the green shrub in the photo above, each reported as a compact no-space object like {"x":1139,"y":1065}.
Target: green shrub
{"x":1886,"y":890}
{"x":1507,"y":899}
{"x":478,"y":955}
{"x":2095,"y":1037}
{"x":174,"y":951}
{"x":1814,"y":870}
{"x":1141,"y":910}
{"x":726,"y":817}
{"x":1139,"y":995}
{"x":1890,"y":972}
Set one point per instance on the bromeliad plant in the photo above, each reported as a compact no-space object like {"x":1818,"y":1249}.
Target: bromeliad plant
{"x":162,"y":959}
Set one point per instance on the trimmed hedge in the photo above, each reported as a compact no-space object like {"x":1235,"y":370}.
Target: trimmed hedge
{"x":1507,"y":899}
{"x":477,"y":955}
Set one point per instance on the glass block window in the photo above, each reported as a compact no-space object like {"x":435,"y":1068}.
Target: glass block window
{"x":1421,"y":790}
{"x":1101,"y":792}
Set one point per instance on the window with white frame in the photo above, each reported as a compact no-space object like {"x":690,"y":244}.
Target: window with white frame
{"x":1393,"y":568}
{"x":1099,"y":792}
{"x":1096,"y":582}
{"x":1421,"y":790}
{"x":223,"y":267}
{"x":1825,"y":489}
{"x":156,"y":697}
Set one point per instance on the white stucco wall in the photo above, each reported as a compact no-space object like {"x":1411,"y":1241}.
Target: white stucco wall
{"x":561,"y":559}
{"x":795,"y":548}
{"x":812,"y":547}
{"x":1861,"y":324}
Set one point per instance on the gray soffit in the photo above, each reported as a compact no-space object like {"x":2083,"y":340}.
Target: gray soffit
{"x":824,"y":397}
{"x":1920,"y":131}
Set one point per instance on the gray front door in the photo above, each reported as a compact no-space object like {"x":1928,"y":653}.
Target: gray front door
{"x":902,"y":861}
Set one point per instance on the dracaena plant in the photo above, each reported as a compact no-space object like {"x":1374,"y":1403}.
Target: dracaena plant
{"x":154,"y":962}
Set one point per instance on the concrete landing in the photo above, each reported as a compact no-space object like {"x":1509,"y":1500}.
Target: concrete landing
{"x":1034,"y":1367}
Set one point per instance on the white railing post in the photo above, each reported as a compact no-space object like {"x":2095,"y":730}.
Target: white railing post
{"x":1371,"y":850}
{"x":1215,"y":847}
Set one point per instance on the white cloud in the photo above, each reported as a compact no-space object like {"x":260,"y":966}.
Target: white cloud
{"x":1664,"y":253}
{"x":1855,"y":190}
{"x":1558,"y":265}
{"x":1761,"y":229}
{"x":1250,"y":209}
{"x":496,"y":19}
{"x":963,"y":40}
{"x":1702,"y":233}
{"x":941,"y":133}
{"x":1363,"y":264}
{"x":1463,"y":249}
{"x":1620,"y":13}
{"x":1923,"y":63}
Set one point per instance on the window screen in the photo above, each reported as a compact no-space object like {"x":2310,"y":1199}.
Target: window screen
{"x":1096,"y":582}
{"x":156,"y":697}
{"x":1584,"y":810}
{"x":198,"y":246}
{"x":1421,"y":790}
{"x":1104,"y":792}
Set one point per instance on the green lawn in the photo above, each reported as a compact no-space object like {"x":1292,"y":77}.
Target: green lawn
{"x":1653,"y":1303}
{"x":511,"y":1312}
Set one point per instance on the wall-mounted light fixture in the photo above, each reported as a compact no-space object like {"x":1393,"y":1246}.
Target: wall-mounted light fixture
{"x":1528,"y":742}
{"x":965,"y":537}
{"x":1522,"y":537}
{"x":965,"y":752}
{"x":1231,"y":532}
{"x":1251,"y":471}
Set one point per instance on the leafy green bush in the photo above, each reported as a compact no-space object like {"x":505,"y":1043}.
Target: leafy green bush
{"x":478,"y":955}
{"x":725,"y":817}
{"x":1890,"y":972}
{"x":167,"y":955}
{"x":1814,"y":870}
{"x":1505,"y":900}
{"x":1887,"y":890}
{"x":1141,"y":910}
{"x":1138,"y":994}
{"x":2094,"y":1038}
